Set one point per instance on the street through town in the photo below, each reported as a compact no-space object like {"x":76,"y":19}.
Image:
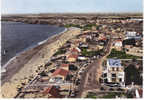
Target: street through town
{"x":90,"y":78}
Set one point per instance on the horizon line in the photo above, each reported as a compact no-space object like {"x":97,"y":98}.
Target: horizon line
{"x":73,"y":13}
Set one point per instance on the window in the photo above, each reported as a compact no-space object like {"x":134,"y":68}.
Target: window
{"x":120,"y":79}
{"x":113,"y":79}
{"x":105,"y":80}
{"x":105,"y":75}
{"x":113,"y":75}
{"x":117,"y":69}
{"x":112,"y":69}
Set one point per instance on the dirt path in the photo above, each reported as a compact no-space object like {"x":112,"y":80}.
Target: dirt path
{"x":90,"y":79}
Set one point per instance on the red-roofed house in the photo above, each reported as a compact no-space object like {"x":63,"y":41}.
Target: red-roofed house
{"x":72,"y":57}
{"x":60,"y":74}
{"x":104,"y":38}
{"x":118,"y":44}
{"x":74,"y":51}
{"x":65,"y":66}
{"x":101,"y":37}
{"x":52,"y":92}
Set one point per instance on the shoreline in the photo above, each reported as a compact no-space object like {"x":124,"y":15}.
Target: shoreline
{"x":33,"y":49}
{"x":26,"y":64}
{"x":29,"y":48}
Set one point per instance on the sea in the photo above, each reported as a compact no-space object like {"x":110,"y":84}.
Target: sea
{"x":17,"y":37}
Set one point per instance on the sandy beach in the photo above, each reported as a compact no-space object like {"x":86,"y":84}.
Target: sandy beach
{"x":25,"y":64}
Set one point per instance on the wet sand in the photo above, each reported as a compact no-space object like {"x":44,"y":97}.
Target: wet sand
{"x":27,"y":62}
{"x":16,"y":64}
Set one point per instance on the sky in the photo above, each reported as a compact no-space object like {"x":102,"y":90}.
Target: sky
{"x":70,"y":6}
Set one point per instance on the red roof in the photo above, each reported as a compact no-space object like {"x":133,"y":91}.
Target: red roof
{"x":74,"y":50}
{"x":73,"y":56}
{"x":104,"y":38}
{"x":53,"y":91}
{"x":64,"y":65}
{"x":60,"y":72}
{"x":118,"y":41}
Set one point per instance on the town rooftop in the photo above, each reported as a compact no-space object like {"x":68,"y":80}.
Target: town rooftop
{"x":114,"y":62}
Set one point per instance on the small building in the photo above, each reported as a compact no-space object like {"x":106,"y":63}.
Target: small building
{"x":82,"y":58}
{"x":136,"y":51}
{"x":129,"y":42}
{"x":72,"y":57}
{"x":52,"y":92}
{"x":102,"y":37}
{"x":76,"y":42}
{"x":79,"y":50}
{"x":114,"y":73}
{"x":83,"y":45}
{"x":100,"y":47}
{"x":59,"y":75}
{"x":83,"y":38}
{"x":75,"y":50}
{"x":118,"y":45}
{"x":44,"y":78}
{"x":65,"y":66}
{"x":132,"y":34}
{"x":127,"y":47}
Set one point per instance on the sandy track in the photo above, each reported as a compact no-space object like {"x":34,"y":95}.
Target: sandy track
{"x":90,"y":79}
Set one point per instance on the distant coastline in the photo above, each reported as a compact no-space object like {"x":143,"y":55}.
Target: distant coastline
{"x":59,"y":19}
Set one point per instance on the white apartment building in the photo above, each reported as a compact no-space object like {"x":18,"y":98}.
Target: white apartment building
{"x":114,"y":73}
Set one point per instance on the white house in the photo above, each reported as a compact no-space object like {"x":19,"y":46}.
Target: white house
{"x":82,"y":58}
{"x":118,"y":43}
{"x":114,"y":73}
{"x":131,"y":34}
{"x":78,"y":49}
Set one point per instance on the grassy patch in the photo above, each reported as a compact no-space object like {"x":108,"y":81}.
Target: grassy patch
{"x":72,"y":25}
{"x":43,"y":73}
{"x":60,"y":51}
{"x":89,"y":27}
{"x":105,"y":95}
{"x":86,"y":27}
{"x":91,"y":95}
{"x":90,"y":53}
{"x":121,"y":55}
{"x":110,"y":95}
